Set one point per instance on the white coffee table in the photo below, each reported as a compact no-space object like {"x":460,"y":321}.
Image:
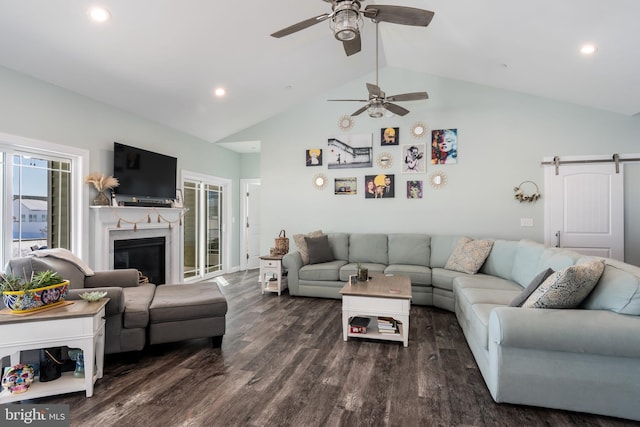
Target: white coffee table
{"x":382,"y":295}
{"x":78,"y":325}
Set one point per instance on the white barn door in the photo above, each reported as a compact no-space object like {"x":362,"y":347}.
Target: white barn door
{"x":250,"y":214}
{"x":584,"y":208}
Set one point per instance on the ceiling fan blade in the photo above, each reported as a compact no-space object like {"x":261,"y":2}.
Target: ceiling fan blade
{"x":399,"y":15}
{"x":300,"y":25}
{"x":352,"y":46}
{"x":414,"y":96}
{"x":351,"y":100}
{"x":360,"y":110}
{"x":396,"y":109}
{"x":375,"y":90}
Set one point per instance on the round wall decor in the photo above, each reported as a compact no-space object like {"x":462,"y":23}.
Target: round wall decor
{"x":419,"y":130}
{"x":319,"y":181}
{"x":345,"y":122}
{"x":524,"y":197}
{"x":438,"y":180}
{"x":384,"y":160}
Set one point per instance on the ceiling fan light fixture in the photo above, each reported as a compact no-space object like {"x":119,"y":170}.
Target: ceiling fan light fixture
{"x":346,"y":24}
{"x":376,"y":109}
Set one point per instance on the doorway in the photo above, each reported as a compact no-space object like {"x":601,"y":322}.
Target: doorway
{"x":250,"y":214}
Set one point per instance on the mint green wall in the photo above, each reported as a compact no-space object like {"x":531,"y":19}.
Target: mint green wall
{"x":33,"y":109}
{"x":502,"y":138}
{"x":250,"y":166}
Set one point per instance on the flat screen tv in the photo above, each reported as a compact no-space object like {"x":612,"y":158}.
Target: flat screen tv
{"x":144,"y":174}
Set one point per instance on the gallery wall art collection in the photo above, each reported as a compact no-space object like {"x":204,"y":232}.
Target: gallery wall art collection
{"x":357,"y":151}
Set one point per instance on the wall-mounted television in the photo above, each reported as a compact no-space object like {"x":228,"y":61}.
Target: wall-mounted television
{"x":144,"y":174}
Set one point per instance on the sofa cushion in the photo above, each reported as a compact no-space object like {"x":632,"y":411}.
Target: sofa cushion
{"x":469,"y":255}
{"x":301,"y":244}
{"x":557,"y":259}
{"x":329,"y":271}
{"x":566,"y":288}
{"x":441,"y":248}
{"x":409,"y":249}
{"x":319,"y":249}
{"x":526,"y":261}
{"x":137,"y":300}
{"x":339,"y":245}
{"x":370,"y":248}
{"x":526,"y":293}
{"x":419,"y":275}
{"x":352,"y":268}
{"x":500,"y":260}
{"x":617,"y":290}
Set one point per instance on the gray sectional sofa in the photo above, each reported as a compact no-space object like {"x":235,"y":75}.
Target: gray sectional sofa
{"x":585,"y":359}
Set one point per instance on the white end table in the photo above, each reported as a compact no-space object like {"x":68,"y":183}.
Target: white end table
{"x":272,"y":266}
{"x":78,"y":325}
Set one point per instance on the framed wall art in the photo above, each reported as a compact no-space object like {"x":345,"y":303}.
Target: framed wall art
{"x":389,"y":136}
{"x":414,"y":159}
{"x":314,"y":157}
{"x":379,"y":186}
{"x":444,"y":146}
{"x":350,"y":151}
{"x":346,"y":186}
{"x":414,"y":189}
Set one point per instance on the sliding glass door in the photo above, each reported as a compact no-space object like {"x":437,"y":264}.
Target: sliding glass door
{"x":204,"y":226}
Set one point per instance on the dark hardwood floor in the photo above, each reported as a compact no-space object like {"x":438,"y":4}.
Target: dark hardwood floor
{"x":283,"y":363}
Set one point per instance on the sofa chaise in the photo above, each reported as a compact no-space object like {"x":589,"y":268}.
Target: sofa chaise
{"x":583,"y":359}
{"x":137,"y":313}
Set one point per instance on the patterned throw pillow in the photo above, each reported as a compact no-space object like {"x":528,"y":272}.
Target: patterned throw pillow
{"x":469,"y":255}
{"x":298,"y":239}
{"x":567,"y":288}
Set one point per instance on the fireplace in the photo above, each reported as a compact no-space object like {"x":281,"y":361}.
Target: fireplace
{"x":146,"y":255}
{"x":112,"y":225}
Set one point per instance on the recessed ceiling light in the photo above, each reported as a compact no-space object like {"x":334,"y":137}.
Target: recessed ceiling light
{"x":219,"y":92}
{"x":99,"y":14}
{"x":588,"y":49}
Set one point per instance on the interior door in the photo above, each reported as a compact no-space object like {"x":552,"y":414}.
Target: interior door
{"x":250,"y":249}
{"x":584,"y":209}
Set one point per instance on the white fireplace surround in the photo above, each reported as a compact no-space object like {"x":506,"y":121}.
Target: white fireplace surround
{"x":104,"y":223}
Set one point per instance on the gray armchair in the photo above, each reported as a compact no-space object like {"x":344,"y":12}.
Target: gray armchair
{"x":127,"y":313}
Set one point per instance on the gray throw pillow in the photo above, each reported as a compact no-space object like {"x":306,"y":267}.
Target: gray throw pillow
{"x":319,"y":249}
{"x":537,"y":281}
{"x":567,"y":288}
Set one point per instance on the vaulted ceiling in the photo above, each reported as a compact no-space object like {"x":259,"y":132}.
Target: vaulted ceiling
{"x":162,"y":59}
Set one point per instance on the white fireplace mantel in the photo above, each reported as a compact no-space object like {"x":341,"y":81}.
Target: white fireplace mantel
{"x":110,"y":223}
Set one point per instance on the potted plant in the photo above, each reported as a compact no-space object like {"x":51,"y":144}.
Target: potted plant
{"x":43,"y":289}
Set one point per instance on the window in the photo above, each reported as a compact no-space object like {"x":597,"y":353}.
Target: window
{"x":204,"y":223}
{"x":42,"y":186}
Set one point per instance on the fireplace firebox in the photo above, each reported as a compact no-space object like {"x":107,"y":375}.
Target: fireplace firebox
{"x":146,"y":255}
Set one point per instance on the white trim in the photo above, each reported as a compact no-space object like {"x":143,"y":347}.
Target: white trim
{"x":244,"y":185}
{"x":79,"y":192}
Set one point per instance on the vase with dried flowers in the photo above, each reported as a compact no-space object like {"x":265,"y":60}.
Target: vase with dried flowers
{"x":101,"y":183}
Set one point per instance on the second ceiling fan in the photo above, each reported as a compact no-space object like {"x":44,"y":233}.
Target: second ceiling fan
{"x":378,"y":101}
{"x":347,"y":16}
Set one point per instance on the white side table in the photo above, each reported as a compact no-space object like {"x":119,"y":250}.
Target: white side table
{"x":272,"y":266}
{"x":79,"y":325}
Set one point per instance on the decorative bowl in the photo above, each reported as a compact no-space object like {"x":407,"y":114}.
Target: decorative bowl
{"x":18,"y":378}
{"x":93,"y":296}
{"x":35,"y":299}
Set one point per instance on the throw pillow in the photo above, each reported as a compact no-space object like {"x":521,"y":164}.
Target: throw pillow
{"x":469,"y":255}
{"x":319,"y":249}
{"x":298,"y":239}
{"x":567,"y":288}
{"x":526,"y":293}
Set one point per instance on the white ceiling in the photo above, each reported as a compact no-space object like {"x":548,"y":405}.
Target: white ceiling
{"x":162,"y":59}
